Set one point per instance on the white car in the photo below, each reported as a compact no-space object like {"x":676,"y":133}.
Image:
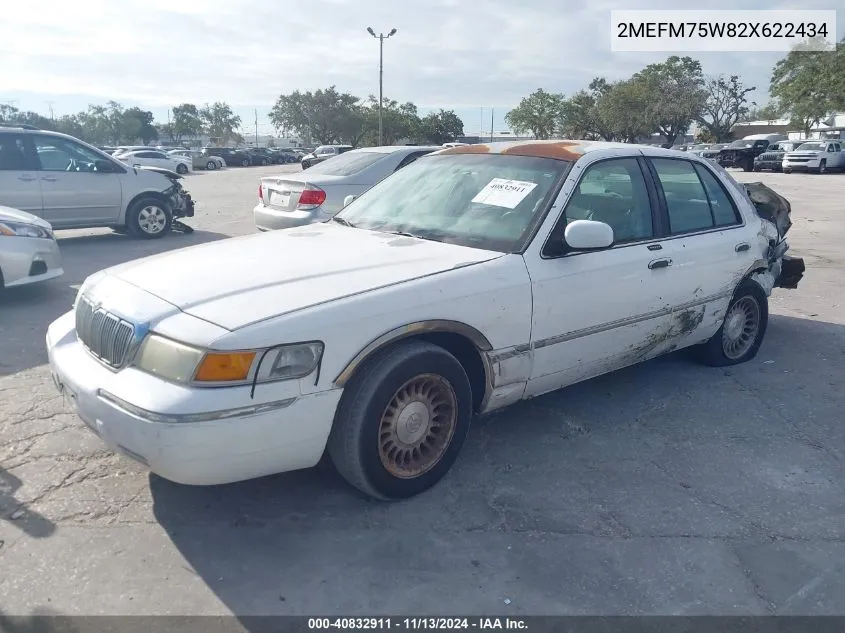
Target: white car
{"x":156,"y":158}
{"x":472,"y":279}
{"x":198,"y":159}
{"x":817,"y":156}
{"x":28,"y":250}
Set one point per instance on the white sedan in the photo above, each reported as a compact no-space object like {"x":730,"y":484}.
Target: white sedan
{"x":155,"y":158}
{"x":472,"y":279}
{"x":28,"y":250}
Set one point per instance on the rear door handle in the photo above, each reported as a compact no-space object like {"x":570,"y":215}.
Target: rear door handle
{"x":659,"y":263}
{"x":740,"y":248}
{"x":49,"y":178}
{"x":26,"y":178}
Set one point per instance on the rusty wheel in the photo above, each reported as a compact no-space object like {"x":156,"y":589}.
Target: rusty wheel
{"x":417,"y":426}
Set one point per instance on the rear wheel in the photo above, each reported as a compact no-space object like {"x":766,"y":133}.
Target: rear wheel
{"x":245,"y":162}
{"x":742,"y":331}
{"x":211,"y":165}
{"x":748,"y":165}
{"x":402,"y":421}
{"x":149,"y":218}
{"x":181,"y":168}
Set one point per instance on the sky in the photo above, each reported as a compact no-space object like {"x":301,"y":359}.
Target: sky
{"x":477,"y":57}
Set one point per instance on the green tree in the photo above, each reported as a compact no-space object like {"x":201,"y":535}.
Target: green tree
{"x":674,"y":95}
{"x":220,"y":122}
{"x":137,"y":124}
{"x":399,"y":121}
{"x":440,"y":127}
{"x":810,"y":83}
{"x":623,"y":109}
{"x":538,"y":113}
{"x":769,"y":112}
{"x":326,"y":116}
{"x":580,"y":116}
{"x":186,"y":121}
{"x":726,"y":104}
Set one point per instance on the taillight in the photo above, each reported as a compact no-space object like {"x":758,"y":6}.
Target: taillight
{"x":260,"y":192}
{"x":311,"y":197}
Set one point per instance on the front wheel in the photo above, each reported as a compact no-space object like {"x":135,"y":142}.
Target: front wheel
{"x":149,"y":218}
{"x":402,"y":421}
{"x":748,"y":165}
{"x":786,"y":170}
{"x":822,"y":167}
{"x":742,"y":331}
{"x":245,"y":162}
{"x":211,"y":165}
{"x":182,"y":169}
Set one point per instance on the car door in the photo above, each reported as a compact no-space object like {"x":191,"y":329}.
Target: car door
{"x":73,"y":193}
{"x":596,"y":311}
{"x":20,"y":187}
{"x":709,"y":246}
{"x":834,"y":155}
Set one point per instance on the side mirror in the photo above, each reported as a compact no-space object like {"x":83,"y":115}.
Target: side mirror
{"x":348,"y":200}
{"x":104,"y":166}
{"x":587,"y":235}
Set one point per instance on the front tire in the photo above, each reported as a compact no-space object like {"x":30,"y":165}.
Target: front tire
{"x":742,"y":331}
{"x":402,"y":421}
{"x":149,"y":218}
{"x":822,"y":167}
{"x":748,"y":165}
{"x":786,"y":170}
{"x":211,"y":165}
{"x":245,"y":162}
{"x":181,"y":169}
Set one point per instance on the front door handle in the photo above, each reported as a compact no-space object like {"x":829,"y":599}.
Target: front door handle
{"x":26,"y":178}
{"x":50,"y":178}
{"x":659,"y":263}
{"x":741,"y":248}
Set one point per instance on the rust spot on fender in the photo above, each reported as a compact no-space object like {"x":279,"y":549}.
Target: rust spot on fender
{"x":561,"y":150}
{"x":478,"y":148}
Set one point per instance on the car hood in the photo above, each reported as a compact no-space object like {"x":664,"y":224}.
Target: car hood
{"x":235,"y":282}
{"x":804,"y":153}
{"x":16,"y":215}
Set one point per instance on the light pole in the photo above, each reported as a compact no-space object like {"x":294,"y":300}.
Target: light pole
{"x":380,"y":37}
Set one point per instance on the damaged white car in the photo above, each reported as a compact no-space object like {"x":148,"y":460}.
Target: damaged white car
{"x":474,"y":278}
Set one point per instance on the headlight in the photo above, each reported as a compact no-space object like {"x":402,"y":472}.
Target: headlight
{"x":22,"y":229}
{"x":187,"y":364}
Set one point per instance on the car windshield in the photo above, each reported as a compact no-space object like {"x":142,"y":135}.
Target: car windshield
{"x":814,"y":147}
{"x":324,"y":150}
{"x":742,"y":143}
{"x":482,"y":201}
{"x":346,"y":164}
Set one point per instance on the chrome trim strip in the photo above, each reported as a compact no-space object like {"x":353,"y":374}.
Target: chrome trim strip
{"x":181,"y":418}
{"x":604,"y":327}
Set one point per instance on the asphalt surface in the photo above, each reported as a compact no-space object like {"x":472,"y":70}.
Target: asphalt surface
{"x":666,"y":488}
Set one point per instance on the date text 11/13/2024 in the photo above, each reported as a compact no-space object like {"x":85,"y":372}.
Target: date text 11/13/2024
{"x":417,"y":624}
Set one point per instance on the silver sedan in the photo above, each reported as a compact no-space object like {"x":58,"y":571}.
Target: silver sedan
{"x":28,"y":250}
{"x":317,"y":193}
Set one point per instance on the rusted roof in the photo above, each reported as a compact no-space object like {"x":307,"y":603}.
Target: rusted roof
{"x":560,"y":149}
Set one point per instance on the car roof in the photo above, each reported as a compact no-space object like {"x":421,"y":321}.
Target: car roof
{"x":389,"y":149}
{"x":561,"y":149}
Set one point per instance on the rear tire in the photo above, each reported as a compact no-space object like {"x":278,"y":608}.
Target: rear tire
{"x":182,"y":169}
{"x":211,"y":165}
{"x":402,"y":421}
{"x":748,"y":165}
{"x":742,"y":331}
{"x":149,"y":218}
{"x":245,"y":162}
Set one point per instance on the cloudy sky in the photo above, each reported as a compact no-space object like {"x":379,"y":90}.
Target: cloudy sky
{"x":466,"y":55}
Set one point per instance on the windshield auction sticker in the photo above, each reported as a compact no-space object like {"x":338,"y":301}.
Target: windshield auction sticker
{"x":501,"y":192}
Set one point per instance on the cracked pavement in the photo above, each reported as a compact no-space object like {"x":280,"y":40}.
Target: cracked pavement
{"x":665,"y":488}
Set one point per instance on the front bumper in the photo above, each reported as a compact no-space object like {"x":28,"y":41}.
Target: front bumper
{"x":791,"y":272}
{"x":798,"y":165}
{"x":774,"y":165}
{"x":191,"y":436}
{"x":270,"y":219}
{"x":27,"y":260}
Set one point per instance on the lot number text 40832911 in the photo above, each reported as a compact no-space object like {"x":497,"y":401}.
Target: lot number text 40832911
{"x":418,"y":624}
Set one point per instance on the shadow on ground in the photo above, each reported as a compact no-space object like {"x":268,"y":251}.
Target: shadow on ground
{"x":25,"y":312}
{"x":725,"y":484}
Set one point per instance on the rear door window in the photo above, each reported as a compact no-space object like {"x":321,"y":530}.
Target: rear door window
{"x":13,"y":154}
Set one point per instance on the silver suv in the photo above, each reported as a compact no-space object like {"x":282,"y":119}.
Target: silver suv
{"x":74,"y":185}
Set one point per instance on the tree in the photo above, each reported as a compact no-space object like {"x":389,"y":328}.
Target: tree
{"x":326,"y":116}
{"x":136,"y":124}
{"x":538,"y":113}
{"x":580,"y":116}
{"x":623,"y":109}
{"x":186,"y":121}
{"x":220,"y":122}
{"x":810,"y":83}
{"x":769,"y":112}
{"x":399,"y":121}
{"x":440,"y":127}
{"x":726,"y":104}
{"x":674,"y":95}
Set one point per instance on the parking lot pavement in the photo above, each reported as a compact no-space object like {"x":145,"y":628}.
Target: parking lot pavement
{"x":666,"y":488}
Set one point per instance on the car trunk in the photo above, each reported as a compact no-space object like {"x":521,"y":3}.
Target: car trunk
{"x":284,"y":193}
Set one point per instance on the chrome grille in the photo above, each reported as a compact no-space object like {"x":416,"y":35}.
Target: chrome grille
{"x":105,"y":335}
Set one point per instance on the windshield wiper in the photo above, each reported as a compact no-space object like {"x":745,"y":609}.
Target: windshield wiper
{"x":343,"y":221}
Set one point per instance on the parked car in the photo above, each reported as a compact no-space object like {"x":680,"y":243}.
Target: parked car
{"x":74,"y":185}
{"x":198,"y":159}
{"x":772,"y":158}
{"x":699,"y":149}
{"x":286,"y":155}
{"x":155,"y":158}
{"x":472,"y":279}
{"x":741,"y":153}
{"x":316,"y":194}
{"x":233,"y":157}
{"x":712,"y":152}
{"x":818,"y":156}
{"x":260,"y":156}
{"x":324,"y":152}
{"x":28,"y":250}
